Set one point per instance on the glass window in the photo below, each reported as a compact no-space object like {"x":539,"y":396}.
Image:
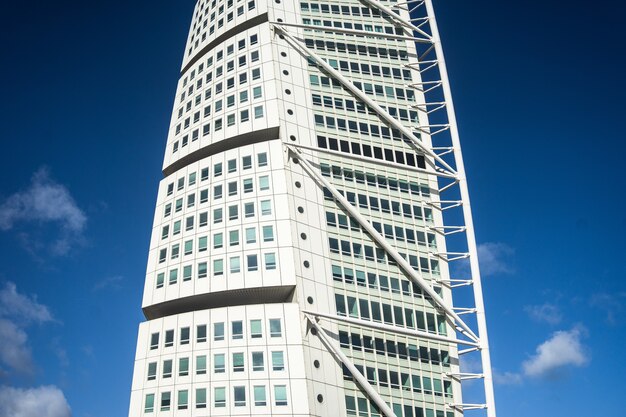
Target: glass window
{"x":202,"y":270}
{"x":169,"y":338}
{"x":280,"y":394}
{"x":240,"y":396}
{"x":218,"y":267}
{"x":201,"y":398}
{"x":278,"y":361}
{"x":257,"y":92}
{"x":217,"y":169}
{"x":249,"y":209}
{"x":275,"y":328}
{"x":248,"y":185}
{"x":264,"y":183}
{"x":154,"y":341}
{"x":201,"y":365}
{"x":149,"y":405}
{"x":160,"y":280}
{"x":238,"y":362}
{"x":202,"y":243}
{"x":165,"y":401}
{"x":247,"y":162}
{"x":262,"y":159}
{"x":253,"y":263}
{"x":219,"y":363}
{"x":268,"y":234}
{"x":266,"y":207}
{"x":152,"y":371}
{"x":184,"y":336}
{"x":256,"y":329}
{"x":183,"y":398}
{"x":217,"y":215}
{"x":218,"y":331}
{"x":232,"y":188}
{"x":233,"y":212}
{"x":188,"y":247}
{"x":219,"y":397}
{"x":218,"y":240}
{"x":232,"y":165}
{"x":251,"y":235}
{"x":259,"y":396}
{"x":258,"y":112}
{"x":183,"y":367}
{"x":233,"y":237}
{"x":270,"y":261}
{"x":235,"y":264}
{"x":257,"y":361}
{"x":237,"y":330}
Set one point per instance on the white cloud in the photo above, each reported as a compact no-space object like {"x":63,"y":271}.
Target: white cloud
{"x":495,"y":258}
{"x":113,"y":283}
{"x":14,"y":350}
{"x":22,"y":307}
{"x":506,"y":378}
{"x":562,"y":350}
{"x":42,"y":202}
{"x":45,"y":401}
{"x":547,"y":312}
{"x":16,"y":312}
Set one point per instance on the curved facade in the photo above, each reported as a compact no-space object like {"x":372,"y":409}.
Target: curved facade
{"x":255,"y":268}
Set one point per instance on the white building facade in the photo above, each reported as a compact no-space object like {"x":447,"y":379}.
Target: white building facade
{"x":298,"y":263}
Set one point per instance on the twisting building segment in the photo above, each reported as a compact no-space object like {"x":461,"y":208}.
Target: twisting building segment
{"x":310,"y":221}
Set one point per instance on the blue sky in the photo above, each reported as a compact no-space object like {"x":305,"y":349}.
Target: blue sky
{"x":86,"y":98}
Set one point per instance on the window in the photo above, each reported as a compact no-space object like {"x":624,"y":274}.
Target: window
{"x":188,"y":247}
{"x":253,"y":263}
{"x":201,"y":365}
{"x":162,"y":255}
{"x":202,"y":270}
{"x":154,"y":341}
{"x":240,"y":396}
{"x":251,"y":235}
{"x":218,"y":332}
{"x":217,"y":169}
{"x":259,"y":396}
{"x":232,"y":188}
{"x":219,"y":397}
{"x":264,"y":183}
{"x":167,"y":368}
{"x":160,"y":280}
{"x":232,"y":165}
{"x":257,"y":92}
{"x":152,"y":371}
{"x":183,"y":367}
{"x":280,"y":394}
{"x":233,"y":212}
{"x":217,"y":215}
{"x":262,"y":159}
{"x":202,"y":243}
{"x":201,"y":333}
{"x":233,"y":237}
{"x":169,"y":338}
{"x":248,"y":185}
{"x":201,"y":398}
{"x":183,"y":398}
{"x":149,"y":405}
{"x":278,"y":361}
{"x":235,"y":265}
{"x":237,"y":330}
{"x":176,"y":227}
{"x":270,"y":261}
{"x":238,"y":362}
{"x":248,"y":209}
{"x":247,"y":162}
{"x":268,"y":234}
{"x":256,"y":329}
{"x":218,"y":267}
{"x":258,"y":112}
{"x":266,"y":207}
{"x":218,"y":240}
{"x":189,"y":223}
{"x":175,"y":250}
{"x":217,"y":192}
{"x":168,"y":210}
{"x":165,"y":232}
{"x":219,"y":363}
{"x":165,"y":401}
{"x":275,"y":328}
{"x":184,"y":336}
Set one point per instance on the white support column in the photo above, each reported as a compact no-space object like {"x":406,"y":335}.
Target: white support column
{"x":412,"y":274}
{"x":467,"y":214}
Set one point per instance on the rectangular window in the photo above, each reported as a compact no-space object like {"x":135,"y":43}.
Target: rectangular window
{"x":248,"y":209}
{"x":219,"y":397}
{"x":169,"y":338}
{"x":154,"y":341}
{"x":258,"y":112}
{"x":218,"y":332}
{"x":218,"y":267}
{"x":202,"y":243}
{"x":188,"y":247}
{"x":232,"y":188}
{"x":167,"y":368}
{"x":217,"y":215}
{"x":187,"y":273}
{"x":183,"y":398}
{"x":253,"y":263}
{"x":248,"y":185}
{"x":165,"y":401}
{"x":218,"y":240}
{"x":233,"y":237}
{"x":280,"y":395}
{"x":240,"y":396}
{"x":262,"y":159}
{"x":149,"y":405}
{"x":184,"y":336}
{"x":270,"y":261}
{"x":152,"y":371}
{"x":264,"y":183}
{"x":201,"y":365}
{"x":237,"y":330}
{"x":201,"y":398}
{"x":160,"y":281}
{"x":202,"y":270}
{"x":238,"y":362}
{"x":219,"y":363}
{"x":251,"y":235}
{"x":232,"y":165}
{"x":268,"y":234}
{"x":275,"y":328}
{"x":235,"y":265}
{"x":233,"y":212}
{"x":256,"y":329}
{"x":257,"y":361}
{"x":266,"y":207}
{"x":183,"y":367}
{"x":259,"y":396}
{"x":278,"y":361}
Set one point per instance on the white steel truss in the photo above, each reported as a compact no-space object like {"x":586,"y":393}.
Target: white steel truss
{"x":445,"y":162}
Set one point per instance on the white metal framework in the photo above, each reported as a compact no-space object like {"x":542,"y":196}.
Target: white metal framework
{"x":444,"y":160}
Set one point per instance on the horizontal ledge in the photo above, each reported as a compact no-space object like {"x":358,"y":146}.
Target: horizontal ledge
{"x":230,"y":298}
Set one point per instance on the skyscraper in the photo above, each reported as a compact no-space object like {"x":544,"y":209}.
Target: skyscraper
{"x":312,"y":222}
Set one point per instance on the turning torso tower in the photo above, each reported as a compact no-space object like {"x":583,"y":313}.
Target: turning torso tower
{"x":310,"y":221}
